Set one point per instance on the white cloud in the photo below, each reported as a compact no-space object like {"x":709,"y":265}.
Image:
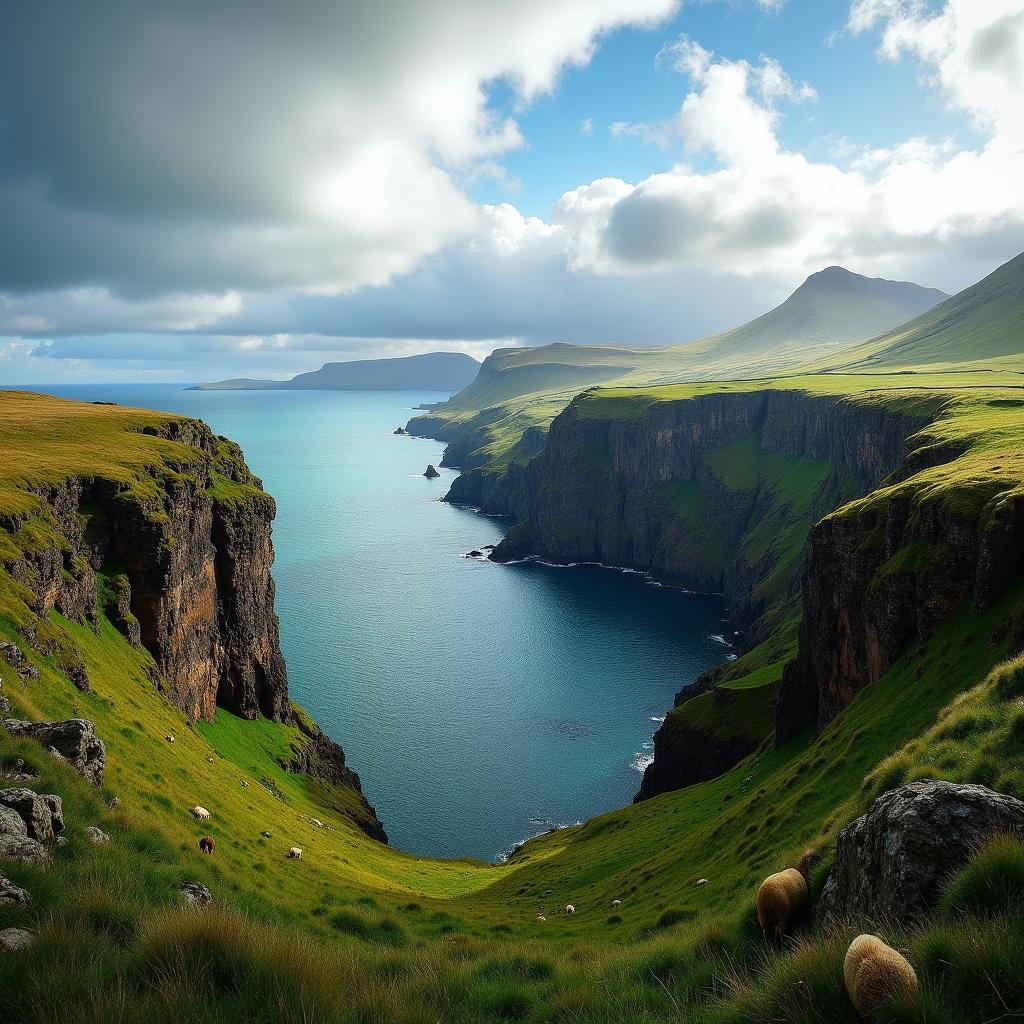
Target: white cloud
{"x":764,"y":209}
{"x":249,"y":144}
{"x":586,"y":126}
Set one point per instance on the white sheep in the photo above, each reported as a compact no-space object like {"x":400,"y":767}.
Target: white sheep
{"x":569,"y":909}
{"x":295,"y":853}
{"x":201,"y":813}
{"x":701,"y":881}
{"x":541,"y":918}
{"x":169,"y":738}
{"x":616,"y":903}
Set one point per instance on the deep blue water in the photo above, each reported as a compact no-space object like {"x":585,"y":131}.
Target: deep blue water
{"x":480,"y":703}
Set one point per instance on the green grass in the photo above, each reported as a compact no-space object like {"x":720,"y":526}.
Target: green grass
{"x":360,"y":932}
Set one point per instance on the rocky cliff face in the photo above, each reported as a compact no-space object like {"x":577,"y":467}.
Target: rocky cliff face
{"x":183,"y":560}
{"x":883,"y":574}
{"x":604,"y":488}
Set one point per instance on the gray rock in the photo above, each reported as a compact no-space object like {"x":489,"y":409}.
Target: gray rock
{"x":12,"y":654}
{"x":97,"y":835}
{"x":12,"y":895}
{"x":74,"y":740}
{"x":28,"y":851}
{"x":892,"y":862}
{"x":11,"y":823}
{"x":43,"y":815}
{"x":13,"y":939}
{"x":430,"y":473}
{"x":195,"y":894}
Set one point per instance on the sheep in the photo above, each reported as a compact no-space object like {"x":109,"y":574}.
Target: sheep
{"x":569,"y":910}
{"x":875,"y":972}
{"x":295,"y":853}
{"x":206,"y":844}
{"x":541,"y":918}
{"x":616,"y":904}
{"x":700,"y":882}
{"x":201,"y":813}
{"x":169,"y":738}
{"x":781,"y":899}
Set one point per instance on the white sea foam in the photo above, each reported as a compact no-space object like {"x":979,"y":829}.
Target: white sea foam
{"x":642,"y":761}
{"x":657,"y":718}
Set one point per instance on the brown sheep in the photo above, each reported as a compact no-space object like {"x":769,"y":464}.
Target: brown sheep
{"x":206,"y":844}
{"x":781,"y":900}
{"x":875,"y":972}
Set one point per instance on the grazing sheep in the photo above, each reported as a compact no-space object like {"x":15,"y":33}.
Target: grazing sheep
{"x":295,"y":853}
{"x":541,"y":918}
{"x":780,"y":900}
{"x":875,"y":972}
{"x":700,"y":882}
{"x":245,"y":785}
{"x":206,"y":844}
{"x":169,"y":738}
{"x":211,"y":760}
{"x":201,"y":813}
{"x":616,"y":903}
{"x":570,"y":910}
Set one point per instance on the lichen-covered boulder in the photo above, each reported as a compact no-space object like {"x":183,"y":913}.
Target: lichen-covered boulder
{"x":892,"y":862}
{"x":12,"y":895}
{"x":13,"y":939}
{"x":195,"y":894}
{"x":97,"y":835}
{"x":42,"y":815}
{"x":75,"y":741}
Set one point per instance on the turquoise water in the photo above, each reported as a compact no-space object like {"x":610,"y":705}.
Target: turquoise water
{"x":480,"y":703}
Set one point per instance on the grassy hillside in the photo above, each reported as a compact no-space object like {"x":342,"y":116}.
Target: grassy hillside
{"x":359,"y":932}
{"x":982,"y":326}
{"x":522,"y":388}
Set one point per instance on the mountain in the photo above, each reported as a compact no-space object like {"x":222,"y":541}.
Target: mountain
{"x":519,"y":389}
{"x":831,"y":306}
{"x":433,"y":371}
{"x":983,"y":326}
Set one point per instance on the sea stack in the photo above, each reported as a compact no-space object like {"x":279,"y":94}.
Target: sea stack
{"x":398,"y":430}
{"x":430,"y":473}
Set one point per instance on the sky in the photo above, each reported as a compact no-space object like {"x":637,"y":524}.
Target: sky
{"x":195,"y":191}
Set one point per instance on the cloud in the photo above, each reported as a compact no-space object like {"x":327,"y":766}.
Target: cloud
{"x":762,"y":206}
{"x":153,"y":148}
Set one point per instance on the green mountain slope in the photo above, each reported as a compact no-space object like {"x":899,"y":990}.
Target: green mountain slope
{"x":357,"y":931}
{"x":982,"y":326}
{"x":432,"y":371}
{"x":517,"y":389}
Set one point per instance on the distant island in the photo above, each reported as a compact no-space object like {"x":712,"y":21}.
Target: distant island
{"x":433,"y":371}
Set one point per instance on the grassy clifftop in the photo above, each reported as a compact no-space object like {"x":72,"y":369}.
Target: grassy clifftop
{"x":358,"y":931}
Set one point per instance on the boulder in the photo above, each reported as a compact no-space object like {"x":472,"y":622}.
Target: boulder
{"x":195,"y":894}
{"x":23,"y":849}
{"x":12,"y":895}
{"x":75,"y":741}
{"x":12,"y":654}
{"x":43,"y":816}
{"x":892,"y":862}
{"x":430,"y":473}
{"x":97,"y":835}
{"x":13,"y":939}
{"x":398,"y":430}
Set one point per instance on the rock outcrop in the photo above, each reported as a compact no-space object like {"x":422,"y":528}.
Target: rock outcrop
{"x":602,"y":490}
{"x":883,"y":574}
{"x":892,"y":862}
{"x":75,"y":741}
{"x":42,"y":815}
{"x":12,"y":895}
{"x":182,"y":559}
{"x":430,"y":473}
